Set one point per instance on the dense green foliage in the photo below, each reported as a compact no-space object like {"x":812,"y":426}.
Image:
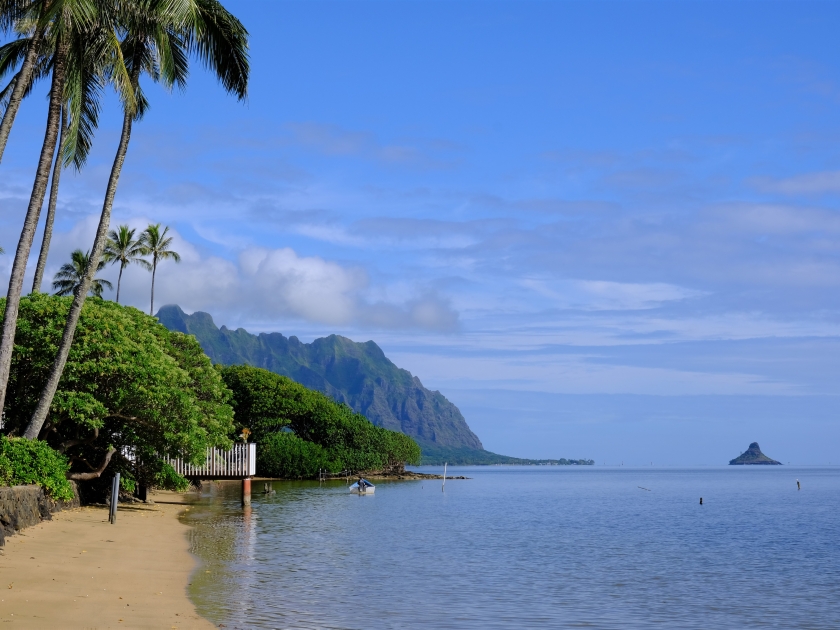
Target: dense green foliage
{"x":283,"y":454}
{"x":358,"y":374}
{"x":129,"y":384}
{"x":33,"y":461}
{"x":269,"y":404}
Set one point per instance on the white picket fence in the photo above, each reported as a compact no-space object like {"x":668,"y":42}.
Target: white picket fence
{"x":237,"y":463}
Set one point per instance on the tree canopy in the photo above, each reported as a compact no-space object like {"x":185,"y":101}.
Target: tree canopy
{"x":269,"y":404}
{"x":131,"y":392}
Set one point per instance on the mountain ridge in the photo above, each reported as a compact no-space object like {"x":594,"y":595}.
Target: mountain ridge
{"x":358,"y":374}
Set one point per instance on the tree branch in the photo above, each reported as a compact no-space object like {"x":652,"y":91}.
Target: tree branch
{"x":62,"y":448}
{"x":120,"y":416}
{"x":96,"y":473}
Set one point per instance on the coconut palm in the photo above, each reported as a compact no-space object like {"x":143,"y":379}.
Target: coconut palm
{"x":92,"y":57}
{"x":13,"y":14}
{"x":53,"y":202}
{"x":71,"y":275}
{"x":159,"y":37}
{"x":75,"y":32}
{"x":123,"y":248}
{"x":157,"y":245}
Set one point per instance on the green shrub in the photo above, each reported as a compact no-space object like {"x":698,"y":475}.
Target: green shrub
{"x":286,"y":455}
{"x":167,"y":478}
{"x":33,"y":461}
{"x":269,"y":404}
{"x":128,"y":383}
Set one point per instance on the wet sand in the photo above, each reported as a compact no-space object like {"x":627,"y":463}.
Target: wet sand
{"x":79,"y":571}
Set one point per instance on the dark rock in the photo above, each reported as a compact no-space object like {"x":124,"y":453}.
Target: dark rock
{"x":753,"y":456}
{"x":24,"y":506}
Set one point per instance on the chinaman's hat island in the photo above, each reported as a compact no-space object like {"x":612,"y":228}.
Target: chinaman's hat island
{"x":753,"y":456}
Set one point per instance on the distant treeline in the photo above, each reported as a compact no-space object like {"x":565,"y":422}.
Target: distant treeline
{"x":300,"y":431}
{"x":474,"y":457}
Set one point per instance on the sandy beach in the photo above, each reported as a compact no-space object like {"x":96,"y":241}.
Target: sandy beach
{"x":79,"y":571}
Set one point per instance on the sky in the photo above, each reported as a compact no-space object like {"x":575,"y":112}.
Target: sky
{"x":602,"y":229}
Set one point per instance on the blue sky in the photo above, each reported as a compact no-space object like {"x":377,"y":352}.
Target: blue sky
{"x":604,"y":230}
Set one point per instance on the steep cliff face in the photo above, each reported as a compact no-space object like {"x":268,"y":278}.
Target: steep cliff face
{"x":358,"y":374}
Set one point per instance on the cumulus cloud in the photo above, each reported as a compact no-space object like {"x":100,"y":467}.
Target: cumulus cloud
{"x":262,"y":284}
{"x":308,"y":287}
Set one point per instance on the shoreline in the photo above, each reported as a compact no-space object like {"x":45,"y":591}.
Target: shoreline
{"x":79,"y":571}
{"x":407,"y":475}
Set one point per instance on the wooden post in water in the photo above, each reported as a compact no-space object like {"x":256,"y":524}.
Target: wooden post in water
{"x":246,"y":491}
{"x":115,"y":497}
{"x":443,"y":485}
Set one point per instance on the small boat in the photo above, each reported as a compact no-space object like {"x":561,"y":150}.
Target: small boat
{"x":363,"y":486}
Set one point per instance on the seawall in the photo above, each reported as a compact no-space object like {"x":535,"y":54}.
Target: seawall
{"x":25,"y":506}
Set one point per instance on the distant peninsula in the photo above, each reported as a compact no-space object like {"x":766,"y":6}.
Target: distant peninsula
{"x":753,"y":456}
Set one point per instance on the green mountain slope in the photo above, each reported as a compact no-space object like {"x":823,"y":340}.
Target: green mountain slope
{"x":358,"y":374}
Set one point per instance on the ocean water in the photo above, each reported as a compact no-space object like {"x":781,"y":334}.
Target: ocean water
{"x":527,"y":547}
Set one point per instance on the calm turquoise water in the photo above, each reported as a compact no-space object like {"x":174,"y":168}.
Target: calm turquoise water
{"x":558,"y":547}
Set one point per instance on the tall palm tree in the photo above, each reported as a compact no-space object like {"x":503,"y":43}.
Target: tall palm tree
{"x":159,"y":37}
{"x":72,"y":274}
{"x":122,"y":248}
{"x":12,"y":13}
{"x":53,"y":202}
{"x":157,"y":246}
{"x":72,"y":30}
{"x":90,"y":58}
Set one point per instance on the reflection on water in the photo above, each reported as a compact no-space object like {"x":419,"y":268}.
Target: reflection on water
{"x":527,"y":547}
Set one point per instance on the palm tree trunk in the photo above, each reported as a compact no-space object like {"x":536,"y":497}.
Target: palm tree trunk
{"x":154,"y":269}
{"x":48,"y":225}
{"x":22,"y":81}
{"x":48,"y":393}
{"x":119,"y":280}
{"x":30,"y":223}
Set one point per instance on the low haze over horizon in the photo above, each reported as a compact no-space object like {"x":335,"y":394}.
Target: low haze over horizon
{"x":605,"y":230}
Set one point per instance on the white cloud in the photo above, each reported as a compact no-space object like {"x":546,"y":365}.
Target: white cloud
{"x":807,"y":184}
{"x":606,"y":295}
{"x":274,"y":286}
{"x":307,"y":287}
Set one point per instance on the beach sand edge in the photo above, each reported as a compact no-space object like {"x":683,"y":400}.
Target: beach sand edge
{"x":79,"y":571}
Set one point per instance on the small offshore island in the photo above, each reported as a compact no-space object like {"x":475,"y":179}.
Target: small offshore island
{"x":753,"y":455}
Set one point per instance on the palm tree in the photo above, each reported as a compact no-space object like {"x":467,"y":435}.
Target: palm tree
{"x":48,"y":224}
{"x":157,"y":246}
{"x":159,"y":36}
{"x":12,"y":14}
{"x":122,"y":248}
{"x":72,"y":274}
{"x":75,"y":31}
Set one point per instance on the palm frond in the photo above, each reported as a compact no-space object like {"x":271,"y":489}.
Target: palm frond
{"x":157,"y":244}
{"x":12,"y":54}
{"x":121,"y":247}
{"x":83,"y":93}
{"x":221,"y":42}
{"x":71,"y":274}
